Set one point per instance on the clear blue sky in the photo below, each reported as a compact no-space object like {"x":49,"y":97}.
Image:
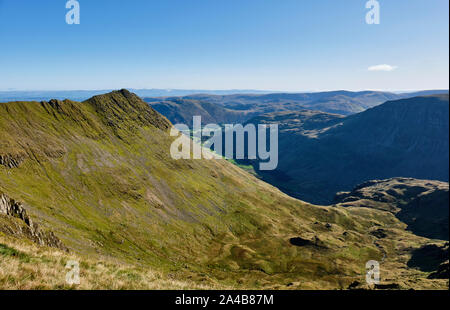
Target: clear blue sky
{"x":292,"y":45}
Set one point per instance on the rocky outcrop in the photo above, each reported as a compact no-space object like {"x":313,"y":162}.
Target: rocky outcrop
{"x":10,"y":160}
{"x":25,"y":226}
{"x":12,"y":208}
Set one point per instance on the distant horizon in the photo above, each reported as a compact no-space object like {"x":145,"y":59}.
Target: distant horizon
{"x":226,"y":90}
{"x":81,"y":95}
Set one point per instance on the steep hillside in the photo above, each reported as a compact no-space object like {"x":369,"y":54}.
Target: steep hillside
{"x":422,"y":204}
{"x":97,"y":175}
{"x":181,"y":111}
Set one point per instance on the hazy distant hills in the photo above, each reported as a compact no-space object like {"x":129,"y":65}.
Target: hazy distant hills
{"x":321,"y":154}
{"x":80,"y":95}
{"x":245,"y":106}
{"x":425,"y":93}
{"x":342,"y":102}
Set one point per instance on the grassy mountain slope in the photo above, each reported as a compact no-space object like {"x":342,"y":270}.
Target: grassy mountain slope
{"x":98,"y":174}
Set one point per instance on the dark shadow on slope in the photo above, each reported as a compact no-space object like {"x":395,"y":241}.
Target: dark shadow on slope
{"x":429,"y":257}
{"x":297,"y":241}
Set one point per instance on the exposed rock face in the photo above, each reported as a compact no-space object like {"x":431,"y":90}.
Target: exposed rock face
{"x":27,"y":227}
{"x":12,"y":208}
{"x":422,"y":204}
{"x":11,"y":161}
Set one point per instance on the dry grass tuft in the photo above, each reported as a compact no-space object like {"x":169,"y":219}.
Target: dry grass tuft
{"x":26,"y":266}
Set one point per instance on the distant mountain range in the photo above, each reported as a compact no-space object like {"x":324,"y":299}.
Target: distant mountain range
{"x":321,"y":153}
{"x":241,"y":107}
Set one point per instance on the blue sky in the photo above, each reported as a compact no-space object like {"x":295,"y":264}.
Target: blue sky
{"x":292,"y":45}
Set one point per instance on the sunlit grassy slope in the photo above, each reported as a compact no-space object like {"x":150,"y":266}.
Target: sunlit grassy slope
{"x":99,"y":175}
